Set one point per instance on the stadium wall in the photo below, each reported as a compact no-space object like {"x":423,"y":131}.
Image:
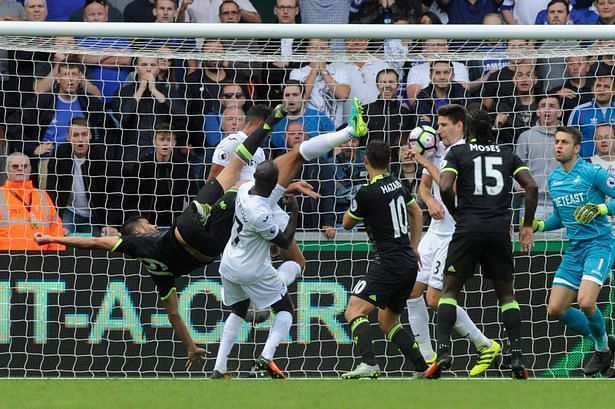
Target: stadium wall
{"x":85,"y":313}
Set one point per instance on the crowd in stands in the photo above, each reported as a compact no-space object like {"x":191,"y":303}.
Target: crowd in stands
{"x":89,"y":140}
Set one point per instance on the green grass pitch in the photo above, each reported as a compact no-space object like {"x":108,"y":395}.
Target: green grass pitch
{"x":291,"y":394}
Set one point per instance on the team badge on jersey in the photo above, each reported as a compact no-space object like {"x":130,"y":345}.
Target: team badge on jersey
{"x":610,"y":182}
{"x":353,"y":205}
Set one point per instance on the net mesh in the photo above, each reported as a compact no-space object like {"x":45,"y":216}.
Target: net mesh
{"x":82,"y":313}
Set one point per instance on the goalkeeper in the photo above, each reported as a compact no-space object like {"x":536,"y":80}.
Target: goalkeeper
{"x":578,"y":190}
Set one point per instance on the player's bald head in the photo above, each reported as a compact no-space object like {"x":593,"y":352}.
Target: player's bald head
{"x":266,"y":177}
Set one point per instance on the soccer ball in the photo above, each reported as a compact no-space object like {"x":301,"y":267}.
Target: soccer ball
{"x":423,"y":139}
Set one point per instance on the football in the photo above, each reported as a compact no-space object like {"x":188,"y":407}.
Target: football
{"x":423,"y":139}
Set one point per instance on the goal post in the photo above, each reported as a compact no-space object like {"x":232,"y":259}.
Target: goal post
{"x":83,"y":314}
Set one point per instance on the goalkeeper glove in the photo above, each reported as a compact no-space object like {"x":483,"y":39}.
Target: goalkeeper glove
{"x":537,"y":225}
{"x":589,"y":211}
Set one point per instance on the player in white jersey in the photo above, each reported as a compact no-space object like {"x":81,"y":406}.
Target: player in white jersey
{"x":289,"y":166}
{"x":433,"y":249}
{"x":246,"y":270}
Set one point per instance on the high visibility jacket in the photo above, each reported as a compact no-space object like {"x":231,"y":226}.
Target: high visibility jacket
{"x":25,"y":210}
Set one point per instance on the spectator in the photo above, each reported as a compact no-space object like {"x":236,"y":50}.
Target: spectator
{"x":522,"y":11}
{"x":165,"y":11}
{"x":517,"y":113}
{"x":601,"y":109}
{"x":25,"y":210}
{"x":326,"y":85}
{"x":315,"y":213}
{"x":207,"y":11}
{"x":577,"y":89}
{"x":276,"y":73}
{"x":232,"y":96}
{"x":233,"y":120}
{"x":362,"y":74}
{"x":228,"y":12}
{"x":204,"y":85}
{"x":84,"y":183}
{"x":286,"y":11}
{"x":429,"y":17}
{"x":419,"y":75}
{"x":161,"y":184}
{"x":314,"y":122}
{"x":140,"y":11}
{"x":558,"y":12}
{"x":112,"y":13}
{"x":138,"y":106}
{"x":442,"y":91}
{"x":604,"y":64}
{"x":384,"y":11}
{"x":535,"y":148}
{"x":350,"y":174}
{"x":43,"y":123}
{"x":551,"y":70}
{"x":605,"y":152}
{"x":606,"y":11}
{"x":19,"y":84}
{"x":46,"y":72}
{"x":468,"y":11}
{"x":107,"y":71}
{"x":498,"y":83}
{"x":580,"y":13}
{"x":604,"y":139}
{"x":386,"y":117}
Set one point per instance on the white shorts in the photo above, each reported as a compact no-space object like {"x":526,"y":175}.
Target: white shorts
{"x":263,"y":293}
{"x":433,"y":249}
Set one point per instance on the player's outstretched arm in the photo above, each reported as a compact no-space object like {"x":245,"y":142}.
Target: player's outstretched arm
{"x":195,"y":353}
{"x":526,"y":181}
{"x":285,"y":238}
{"x":101,"y":243}
{"x":526,"y":235}
{"x":447,"y":190}
{"x":435,"y":208}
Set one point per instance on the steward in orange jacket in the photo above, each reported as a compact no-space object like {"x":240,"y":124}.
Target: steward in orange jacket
{"x":25,"y":210}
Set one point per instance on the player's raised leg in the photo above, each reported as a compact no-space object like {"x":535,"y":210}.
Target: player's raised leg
{"x":290,"y":163}
{"x":259,"y":122}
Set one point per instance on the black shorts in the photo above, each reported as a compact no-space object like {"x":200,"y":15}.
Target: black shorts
{"x":388,"y":284}
{"x":493,"y":251}
{"x":192,"y":231}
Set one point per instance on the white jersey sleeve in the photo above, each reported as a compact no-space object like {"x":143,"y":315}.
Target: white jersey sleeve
{"x":446,"y":225}
{"x":226,"y":149}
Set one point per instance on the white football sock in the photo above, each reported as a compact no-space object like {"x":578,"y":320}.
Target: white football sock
{"x":468,"y":329}
{"x":321,"y":144}
{"x":418,"y":316}
{"x":232,"y":326}
{"x":279,"y":331}
{"x":289,"y":271}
